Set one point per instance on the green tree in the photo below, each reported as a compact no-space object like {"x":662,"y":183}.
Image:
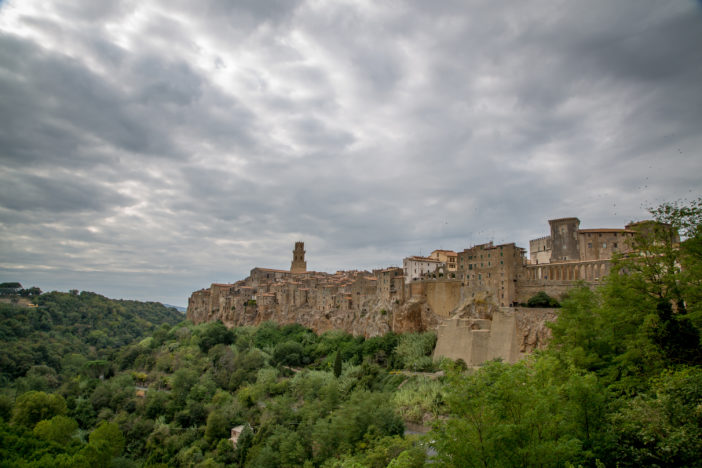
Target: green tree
{"x":288,"y":353}
{"x":59,"y":429}
{"x":32,"y":407}
{"x":215,"y":333}
{"x":105,"y":443}
{"x":541,"y":299}
{"x":662,"y":427}
{"x":337,"y":365}
{"x":507,"y":415}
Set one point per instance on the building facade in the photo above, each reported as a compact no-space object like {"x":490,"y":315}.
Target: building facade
{"x":415,"y":267}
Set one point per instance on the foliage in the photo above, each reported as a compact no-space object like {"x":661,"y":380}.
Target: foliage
{"x":508,"y":415}
{"x":59,"y":429}
{"x":32,"y":407}
{"x":541,"y":299}
{"x":85,"y":324}
{"x":337,"y":365}
{"x":662,"y":427}
{"x":418,"y":397}
{"x":414,"y":351}
{"x":215,"y":333}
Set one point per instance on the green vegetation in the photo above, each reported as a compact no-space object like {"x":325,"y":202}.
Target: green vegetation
{"x":619,"y":386}
{"x":541,"y":299}
{"x":621,"y":383}
{"x":67,"y":332}
{"x":172,"y":398}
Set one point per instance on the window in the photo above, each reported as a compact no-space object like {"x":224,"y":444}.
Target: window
{"x":604,"y":245}
{"x":589,"y":245}
{"x":615,"y":245}
{"x":470,"y":267}
{"x":501,"y":262}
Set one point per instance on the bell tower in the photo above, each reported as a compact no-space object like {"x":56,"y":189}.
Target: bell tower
{"x":299,"y":265}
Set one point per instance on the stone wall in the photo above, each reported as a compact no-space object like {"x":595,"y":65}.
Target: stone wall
{"x":443,"y":296}
{"x":506,"y":333}
{"x":476,"y":340}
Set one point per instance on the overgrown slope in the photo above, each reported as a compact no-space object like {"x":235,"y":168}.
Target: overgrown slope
{"x":63,"y":324}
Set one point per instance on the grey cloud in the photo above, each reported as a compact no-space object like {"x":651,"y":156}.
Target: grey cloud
{"x":57,"y":193}
{"x":370,"y":131}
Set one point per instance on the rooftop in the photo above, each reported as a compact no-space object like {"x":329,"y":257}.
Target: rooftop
{"x":606,"y":230}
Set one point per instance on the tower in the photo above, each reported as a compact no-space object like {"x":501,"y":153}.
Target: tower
{"x":564,"y":239}
{"x":299,"y":265}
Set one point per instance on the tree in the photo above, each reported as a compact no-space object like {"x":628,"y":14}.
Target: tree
{"x":59,"y":429}
{"x":10,"y":288}
{"x":640,"y":320}
{"x":662,"y":427}
{"x":105,"y":443}
{"x":288,"y":353}
{"x":32,"y":407}
{"x":215,"y":333}
{"x":507,"y":415}
{"x":541,"y":299}
{"x":337,"y":365}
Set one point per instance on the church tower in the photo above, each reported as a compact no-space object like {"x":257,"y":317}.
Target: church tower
{"x":299,"y":265}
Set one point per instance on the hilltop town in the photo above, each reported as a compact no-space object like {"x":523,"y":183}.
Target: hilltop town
{"x":472,"y":297}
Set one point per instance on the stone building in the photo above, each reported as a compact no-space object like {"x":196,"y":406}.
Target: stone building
{"x":415,"y":267}
{"x":495,"y":269}
{"x":569,"y":243}
{"x":447,"y":257}
{"x":473,"y":307}
{"x":540,"y":250}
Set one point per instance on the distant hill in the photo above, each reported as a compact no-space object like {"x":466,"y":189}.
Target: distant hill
{"x":63,"y":324}
{"x":178,"y":308}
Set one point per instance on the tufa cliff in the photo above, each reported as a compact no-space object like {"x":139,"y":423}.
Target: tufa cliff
{"x":470,"y":325}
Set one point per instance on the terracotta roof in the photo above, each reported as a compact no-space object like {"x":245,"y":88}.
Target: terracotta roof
{"x":222,"y":285}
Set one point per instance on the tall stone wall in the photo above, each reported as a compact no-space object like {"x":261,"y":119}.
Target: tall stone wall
{"x":507,"y":333}
{"x":443,"y":296}
{"x":477,"y":340}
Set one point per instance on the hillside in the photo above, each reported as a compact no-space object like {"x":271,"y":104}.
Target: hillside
{"x":66,"y":324}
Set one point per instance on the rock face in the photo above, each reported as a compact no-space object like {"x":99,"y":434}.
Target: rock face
{"x":469,"y":324}
{"x":361,"y":303}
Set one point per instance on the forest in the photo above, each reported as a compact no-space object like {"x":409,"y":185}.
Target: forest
{"x":620,"y":384}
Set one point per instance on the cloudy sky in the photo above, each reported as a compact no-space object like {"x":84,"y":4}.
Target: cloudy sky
{"x":148,"y":149}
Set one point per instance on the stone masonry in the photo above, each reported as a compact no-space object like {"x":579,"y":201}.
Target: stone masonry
{"x":473,"y":303}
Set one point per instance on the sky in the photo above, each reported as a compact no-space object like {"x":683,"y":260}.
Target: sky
{"x":148,"y":149}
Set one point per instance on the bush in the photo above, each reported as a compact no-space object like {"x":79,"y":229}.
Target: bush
{"x":541,"y":299}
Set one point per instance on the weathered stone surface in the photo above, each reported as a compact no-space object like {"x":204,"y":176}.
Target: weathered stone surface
{"x":362,"y":303}
{"x":465,"y":313}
